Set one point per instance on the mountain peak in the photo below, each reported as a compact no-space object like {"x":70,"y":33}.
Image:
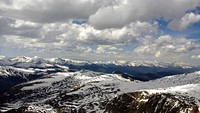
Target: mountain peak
{"x":2,"y":57}
{"x":21,"y":59}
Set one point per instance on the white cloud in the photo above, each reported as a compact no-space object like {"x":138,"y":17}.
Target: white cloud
{"x":84,"y":49}
{"x":73,"y":37}
{"x":86,"y":34}
{"x":108,"y":49}
{"x":140,"y":10}
{"x":195,"y":57}
{"x":22,"y":42}
{"x":101,"y":14}
{"x":45,"y":11}
{"x":166,"y":46}
{"x":22,"y":28}
{"x":25,"y":24}
{"x":184,"y":22}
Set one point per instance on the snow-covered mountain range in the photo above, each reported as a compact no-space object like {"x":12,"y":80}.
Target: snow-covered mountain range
{"x":24,"y":59}
{"x":144,"y":70}
{"x":58,"y":85}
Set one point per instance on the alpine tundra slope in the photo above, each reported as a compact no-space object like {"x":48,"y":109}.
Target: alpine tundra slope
{"x":87,"y":91}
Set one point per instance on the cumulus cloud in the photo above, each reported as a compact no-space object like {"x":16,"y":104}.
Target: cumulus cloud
{"x":22,"y":28}
{"x":127,"y":35}
{"x":108,"y":49}
{"x":104,"y":28}
{"x":143,"y":10}
{"x":72,"y":37}
{"x":184,"y":22}
{"x":24,"y":24}
{"x":195,"y":57}
{"x":45,"y":11}
{"x":166,"y":45}
{"x":101,"y":14}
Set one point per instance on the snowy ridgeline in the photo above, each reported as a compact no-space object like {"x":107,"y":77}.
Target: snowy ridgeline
{"x":27,"y":61}
{"x":83,"y":89}
{"x":141,"y":70}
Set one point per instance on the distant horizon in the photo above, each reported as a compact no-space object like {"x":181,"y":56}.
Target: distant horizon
{"x":104,"y":61}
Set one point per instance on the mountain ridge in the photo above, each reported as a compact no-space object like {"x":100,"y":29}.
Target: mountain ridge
{"x":119,"y":62}
{"x":134,"y":68}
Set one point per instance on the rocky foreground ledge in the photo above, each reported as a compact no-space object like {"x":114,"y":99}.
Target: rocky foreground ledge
{"x":144,"y":102}
{"x":134,"y":102}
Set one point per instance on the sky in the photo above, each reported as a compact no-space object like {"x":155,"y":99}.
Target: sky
{"x":146,"y":30}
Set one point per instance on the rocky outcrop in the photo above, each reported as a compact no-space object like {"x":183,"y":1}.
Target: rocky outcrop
{"x":143,"y":102}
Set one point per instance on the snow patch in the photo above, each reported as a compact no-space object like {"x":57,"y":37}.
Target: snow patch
{"x":47,"y":81}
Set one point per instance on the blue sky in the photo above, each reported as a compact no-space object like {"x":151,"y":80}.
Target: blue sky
{"x":191,"y":32}
{"x":102,"y":30}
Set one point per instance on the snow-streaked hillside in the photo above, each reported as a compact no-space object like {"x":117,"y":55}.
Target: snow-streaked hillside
{"x":13,"y":71}
{"x":185,"y":84}
{"x":10,"y":75}
{"x":55,"y":87}
{"x":90,"y":91}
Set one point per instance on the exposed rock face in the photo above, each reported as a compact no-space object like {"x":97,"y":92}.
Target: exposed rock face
{"x":143,"y":102}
